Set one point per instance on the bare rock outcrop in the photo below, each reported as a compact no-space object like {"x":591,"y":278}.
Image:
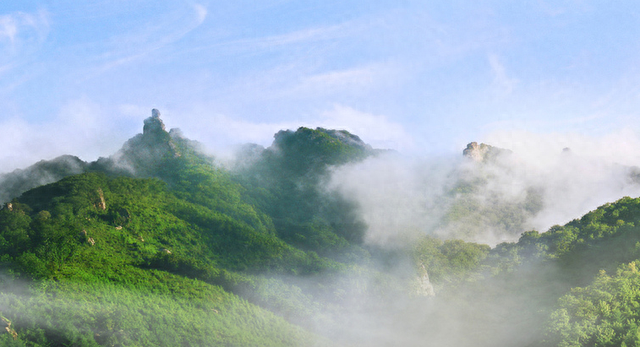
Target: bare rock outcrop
{"x":101,"y":204}
{"x":5,"y":327}
{"x":483,"y":152}
{"x":425,"y":288}
{"x":153,"y":124}
{"x":476,"y":151}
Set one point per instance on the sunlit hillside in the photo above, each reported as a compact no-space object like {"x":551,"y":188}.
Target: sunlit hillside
{"x":161,"y":244}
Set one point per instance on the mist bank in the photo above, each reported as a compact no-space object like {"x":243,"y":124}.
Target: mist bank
{"x":538,"y":181}
{"x":488,"y":197}
{"x":359,"y":245}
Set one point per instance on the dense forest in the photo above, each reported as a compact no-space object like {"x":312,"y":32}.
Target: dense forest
{"x":161,"y":244}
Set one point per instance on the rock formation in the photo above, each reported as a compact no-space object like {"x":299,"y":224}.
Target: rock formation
{"x":101,"y":204}
{"x":5,"y":327}
{"x":482,"y":152}
{"x":153,"y":124}
{"x":144,"y":153}
{"x":476,"y":151}
{"x":425,"y":288}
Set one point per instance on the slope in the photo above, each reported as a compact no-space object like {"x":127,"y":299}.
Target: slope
{"x":129,"y":242}
{"x":160,"y":218}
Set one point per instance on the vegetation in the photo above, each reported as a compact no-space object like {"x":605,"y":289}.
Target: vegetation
{"x":165,"y":257}
{"x":605,"y":313}
{"x":161,"y":246}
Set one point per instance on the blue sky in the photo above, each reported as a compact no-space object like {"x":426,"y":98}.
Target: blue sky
{"x":421,"y":77}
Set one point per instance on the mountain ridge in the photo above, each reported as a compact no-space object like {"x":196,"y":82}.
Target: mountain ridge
{"x":161,"y":245}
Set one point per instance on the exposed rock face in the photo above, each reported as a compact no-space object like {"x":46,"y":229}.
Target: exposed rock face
{"x":476,"y":151}
{"x":482,"y":152}
{"x":153,"y":124}
{"x":144,"y":153}
{"x":425,"y":288}
{"x":5,"y":327}
{"x":101,"y":203}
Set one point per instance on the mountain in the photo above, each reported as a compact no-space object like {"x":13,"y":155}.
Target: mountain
{"x":286,"y":179}
{"x":157,"y":216}
{"x":15,"y":183}
{"x":160,"y":244}
{"x":141,"y":156}
{"x":483,"y":152}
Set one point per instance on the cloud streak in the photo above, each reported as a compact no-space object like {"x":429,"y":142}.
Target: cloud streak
{"x":81,"y":128}
{"x":21,"y":34}
{"x":22,"y":26}
{"x":501,"y":80}
{"x":142,"y":42}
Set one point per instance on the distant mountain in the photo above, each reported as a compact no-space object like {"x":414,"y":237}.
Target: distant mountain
{"x":15,"y":183}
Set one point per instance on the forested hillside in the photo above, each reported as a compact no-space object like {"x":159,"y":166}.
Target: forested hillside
{"x":162,"y":245}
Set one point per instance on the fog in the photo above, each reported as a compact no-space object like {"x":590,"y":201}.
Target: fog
{"x":535,"y":182}
{"x":534,"y":185}
{"x":420,"y":79}
{"x":527,"y":182}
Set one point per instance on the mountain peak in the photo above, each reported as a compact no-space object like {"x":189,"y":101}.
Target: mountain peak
{"x":483,"y":152}
{"x":153,"y":124}
{"x":476,"y":151}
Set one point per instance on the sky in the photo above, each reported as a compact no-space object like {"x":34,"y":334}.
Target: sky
{"x":420,"y":77}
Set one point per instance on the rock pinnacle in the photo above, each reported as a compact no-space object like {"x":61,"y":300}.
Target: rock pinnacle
{"x":153,"y":124}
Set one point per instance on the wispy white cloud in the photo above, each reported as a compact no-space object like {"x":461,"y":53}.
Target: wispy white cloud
{"x":546,"y":123}
{"x":21,"y":36}
{"x":308,"y":35}
{"x":617,"y":146}
{"x":300,"y":82}
{"x":19,"y":29}
{"x":201,"y":13}
{"x":501,"y":80}
{"x":124,"y":49}
{"x":376,"y":130}
{"x":81,"y":127}
{"x":361,"y":77}
{"x":315,"y":36}
{"x":8,"y":28}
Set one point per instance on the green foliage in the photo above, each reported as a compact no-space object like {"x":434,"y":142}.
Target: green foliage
{"x":193,"y":254}
{"x":601,"y":239}
{"x":449,"y":262}
{"x":285,"y":182}
{"x":96,"y":230}
{"x":605,"y":313}
{"x":155,"y":310}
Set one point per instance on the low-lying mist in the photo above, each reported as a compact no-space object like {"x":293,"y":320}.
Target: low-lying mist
{"x":487,"y":200}
{"x":489,"y":195}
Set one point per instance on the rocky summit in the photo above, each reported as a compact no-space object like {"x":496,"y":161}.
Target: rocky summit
{"x":153,"y":124}
{"x":482,"y":152}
